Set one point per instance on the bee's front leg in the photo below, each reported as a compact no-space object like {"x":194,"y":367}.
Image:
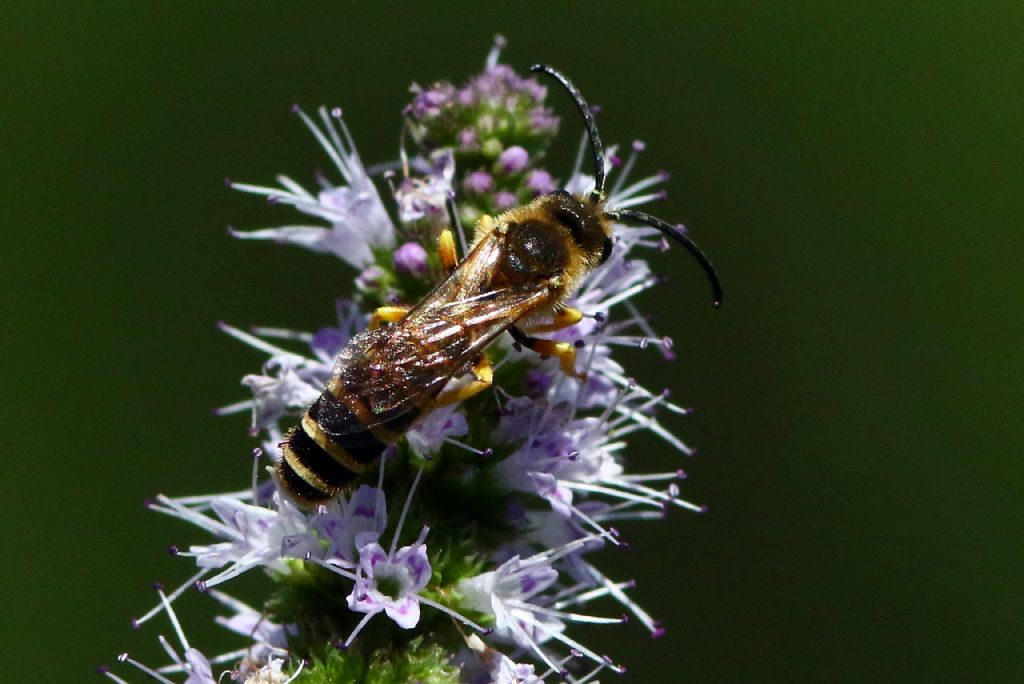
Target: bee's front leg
{"x":483,"y":376}
{"x":446,"y":250}
{"x":565,"y":352}
{"x":563,"y":318}
{"x":387,"y":314}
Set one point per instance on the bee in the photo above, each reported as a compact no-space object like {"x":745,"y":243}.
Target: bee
{"x":521,"y":268}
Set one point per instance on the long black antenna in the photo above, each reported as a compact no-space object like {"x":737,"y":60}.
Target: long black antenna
{"x":680,"y":237}
{"x":588,"y":118}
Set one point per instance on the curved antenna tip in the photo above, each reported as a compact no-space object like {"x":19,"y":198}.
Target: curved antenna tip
{"x":671,"y":231}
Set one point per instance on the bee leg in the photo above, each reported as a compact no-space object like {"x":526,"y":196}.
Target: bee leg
{"x":563,"y":319}
{"x":483,"y":376}
{"x":446,"y":250}
{"x":565,"y":352}
{"x":387,"y":314}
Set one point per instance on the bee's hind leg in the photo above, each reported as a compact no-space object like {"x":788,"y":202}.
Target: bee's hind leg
{"x":387,"y":314}
{"x":565,"y":352}
{"x":483,"y":376}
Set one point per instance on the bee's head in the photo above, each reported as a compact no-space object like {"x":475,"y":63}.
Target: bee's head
{"x":589,"y":230}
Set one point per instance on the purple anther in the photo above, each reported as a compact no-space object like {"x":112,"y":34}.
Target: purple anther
{"x":667,"y":342}
{"x":600,"y":317}
{"x":639,"y":145}
{"x":615,"y":160}
{"x":340,"y":645}
{"x":576,"y":653}
{"x":579,"y":344}
{"x":658,"y":631}
{"x":664,"y":176}
{"x":296,"y":108}
{"x":662,"y":194}
{"x":487,"y":453}
{"x":336,"y":112}
{"x":201,"y":586}
{"x":173,"y":550}
{"x":673,"y":490}
{"x":103,"y":669}
{"x":681,"y":474}
{"x":135,"y":623}
{"x":157,"y":586}
{"x":227,"y":182}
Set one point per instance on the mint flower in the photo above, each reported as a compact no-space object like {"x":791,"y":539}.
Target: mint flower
{"x":426,"y":197}
{"x":390,"y":582}
{"x":348,"y":525}
{"x":358,"y":218}
{"x":466,"y":553}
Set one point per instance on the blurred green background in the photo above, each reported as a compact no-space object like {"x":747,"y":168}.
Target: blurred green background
{"x":854,"y":172}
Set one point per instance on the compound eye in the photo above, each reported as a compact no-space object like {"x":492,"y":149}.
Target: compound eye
{"x":606,"y":251}
{"x":570,"y":220}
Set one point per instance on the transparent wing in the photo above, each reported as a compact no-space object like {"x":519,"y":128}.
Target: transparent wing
{"x":401,"y":368}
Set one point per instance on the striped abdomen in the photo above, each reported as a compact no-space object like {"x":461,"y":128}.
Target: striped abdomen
{"x":331,"y":446}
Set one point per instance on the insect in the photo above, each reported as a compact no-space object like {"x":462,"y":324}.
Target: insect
{"x":521,"y":269}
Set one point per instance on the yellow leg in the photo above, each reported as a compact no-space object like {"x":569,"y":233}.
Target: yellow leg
{"x":387,"y":314}
{"x":483,"y":376}
{"x":446,"y":248}
{"x":563,"y":319}
{"x":565,"y":352}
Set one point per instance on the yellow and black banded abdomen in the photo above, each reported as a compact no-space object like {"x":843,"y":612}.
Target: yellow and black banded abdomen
{"x":331,"y":446}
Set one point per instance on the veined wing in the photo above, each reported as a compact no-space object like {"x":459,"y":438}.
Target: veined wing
{"x":388,"y":376}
